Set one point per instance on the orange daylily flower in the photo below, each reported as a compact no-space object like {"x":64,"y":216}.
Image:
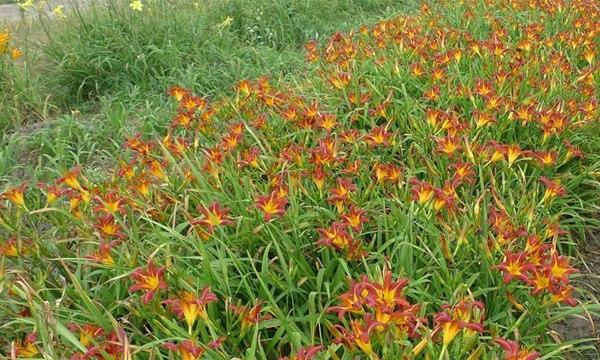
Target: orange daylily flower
{"x":359,"y":335}
{"x":422,"y":191}
{"x":448,"y":145}
{"x":87,"y":332}
{"x":560,"y":268}
{"x":110,"y":203}
{"x":250,"y":316}
{"x":70,"y":179}
{"x":189,"y":306}
{"x":553,"y":189}
{"x":379,"y":136}
{"x":148,"y":280}
{"x":336,"y":236}
{"x":271,"y":205}
{"x":512,"y":351}
{"x":178,"y":92}
{"x":103,"y":255}
{"x":16,"y":195}
{"x":562,"y":293}
{"x":515,"y":266}
{"x":26,"y":348}
{"x":15,"y":54}
{"x":305,"y":353}
{"x":53,"y":192}
{"x":11,"y":248}
{"x":108,"y":227}
{"x":452,"y":319}
{"x":341,"y":192}
{"x":187,"y":349}
{"x":212,"y":216}
{"x":249,"y":157}
{"x":355,"y":217}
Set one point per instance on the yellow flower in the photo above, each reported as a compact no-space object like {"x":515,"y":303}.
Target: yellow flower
{"x":58,"y":12}
{"x":25,"y":5}
{"x":136,"y":5}
{"x":4,"y":39}
{"x":16,"y":53}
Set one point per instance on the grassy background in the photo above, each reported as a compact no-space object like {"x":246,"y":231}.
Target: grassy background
{"x":95,"y":76}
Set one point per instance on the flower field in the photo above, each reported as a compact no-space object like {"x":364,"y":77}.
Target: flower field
{"x":418,"y":192}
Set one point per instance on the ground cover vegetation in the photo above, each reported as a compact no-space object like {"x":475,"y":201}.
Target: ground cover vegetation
{"x":418,"y":191}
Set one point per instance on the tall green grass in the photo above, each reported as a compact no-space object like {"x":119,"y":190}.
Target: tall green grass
{"x":105,"y":56}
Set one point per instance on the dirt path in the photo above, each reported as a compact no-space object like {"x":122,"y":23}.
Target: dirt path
{"x":575,"y":328}
{"x":12,"y":13}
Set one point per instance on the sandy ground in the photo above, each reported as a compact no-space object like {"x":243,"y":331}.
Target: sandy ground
{"x":12,"y":13}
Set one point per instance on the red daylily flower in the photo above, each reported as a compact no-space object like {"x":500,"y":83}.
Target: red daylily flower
{"x":250,"y":316}
{"x":515,"y":266}
{"x":212,"y":216}
{"x":26,"y":348}
{"x":188,"y":349}
{"x":148,"y":280}
{"x":305,"y":353}
{"x":452,"y":319}
{"x":190,"y":307}
{"x":512,"y":350}
{"x":16,"y":195}
{"x":271,"y":205}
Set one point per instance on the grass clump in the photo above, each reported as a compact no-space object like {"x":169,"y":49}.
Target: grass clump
{"x":207,"y":46}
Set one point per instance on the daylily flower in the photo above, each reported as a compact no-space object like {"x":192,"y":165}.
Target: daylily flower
{"x":539,"y":280}
{"x":53,"y":192}
{"x":572,"y":151}
{"x":110,"y":203}
{"x":190,"y":307}
{"x":355,"y":217}
{"x":387,"y":294}
{"x":250,"y":316}
{"x":352,"y":300}
{"x":305,"y":353}
{"x":16,"y":195}
{"x":515,"y":266}
{"x":271,"y":205}
{"x":422,"y":191}
{"x":512,"y":351}
{"x":387,"y":173}
{"x":553,"y":189}
{"x":341,"y":192}
{"x":562,"y":293}
{"x":560,"y":268}
{"x":108,"y":227}
{"x":188,"y":349}
{"x":177,"y":92}
{"x":379,"y":136}
{"x":249,"y":158}
{"x":26,"y":348}
{"x":463,"y":173}
{"x":10,"y":248}
{"x":452,"y":319}
{"x":335,"y":236}
{"x":212,"y":216}
{"x":359,"y":335}
{"x":103,"y":255}
{"x":70,"y":179}
{"x":148,"y":280}
{"x":319,"y":176}
{"x":88,"y":333}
